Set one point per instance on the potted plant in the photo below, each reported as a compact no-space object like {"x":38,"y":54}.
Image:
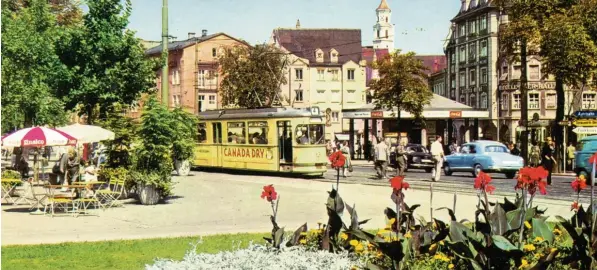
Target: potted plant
{"x":185,"y":133}
{"x":151,"y":186}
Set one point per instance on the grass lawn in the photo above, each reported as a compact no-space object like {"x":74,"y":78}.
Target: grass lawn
{"x":129,"y":254}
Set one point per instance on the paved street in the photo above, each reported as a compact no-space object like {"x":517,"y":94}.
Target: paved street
{"x":211,"y":203}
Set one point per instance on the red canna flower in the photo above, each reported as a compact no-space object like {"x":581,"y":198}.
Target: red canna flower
{"x":482,"y":183}
{"x":532,"y":179}
{"x":398,"y":183}
{"x":337,"y":159}
{"x":593,"y":158}
{"x":578,"y":184}
{"x":574,"y":206}
{"x":269,"y":193}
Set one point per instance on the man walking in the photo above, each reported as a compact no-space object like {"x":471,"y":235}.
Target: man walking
{"x":382,"y":156}
{"x":570,"y":156}
{"x":437,"y":151}
{"x":401,"y":158}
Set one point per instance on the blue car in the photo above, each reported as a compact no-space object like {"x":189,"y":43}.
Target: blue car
{"x":486,"y":156}
{"x":586,"y":147}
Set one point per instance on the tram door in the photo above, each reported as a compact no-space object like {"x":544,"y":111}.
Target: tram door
{"x":285,"y":141}
{"x":217,"y":136}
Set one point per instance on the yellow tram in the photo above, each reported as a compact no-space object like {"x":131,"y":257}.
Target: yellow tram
{"x":272,"y":139}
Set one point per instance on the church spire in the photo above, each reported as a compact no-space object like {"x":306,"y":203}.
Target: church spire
{"x":383,"y":5}
{"x":298,"y":24}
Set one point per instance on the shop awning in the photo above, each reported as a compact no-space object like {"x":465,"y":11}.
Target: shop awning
{"x":342,"y":137}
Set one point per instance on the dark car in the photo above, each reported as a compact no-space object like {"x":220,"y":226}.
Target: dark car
{"x":418,"y":157}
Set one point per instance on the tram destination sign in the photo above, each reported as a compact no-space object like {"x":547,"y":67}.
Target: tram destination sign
{"x":586,"y":114}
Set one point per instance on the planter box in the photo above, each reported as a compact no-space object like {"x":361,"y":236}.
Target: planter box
{"x":148,"y":194}
{"x":183,"y":168}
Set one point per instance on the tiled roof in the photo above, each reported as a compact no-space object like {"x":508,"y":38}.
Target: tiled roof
{"x":368,"y":53}
{"x":304,"y":41}
{"x":177,"y":45}
{"x":434,"y":63}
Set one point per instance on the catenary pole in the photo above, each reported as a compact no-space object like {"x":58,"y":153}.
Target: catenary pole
{"x":165,"y":94}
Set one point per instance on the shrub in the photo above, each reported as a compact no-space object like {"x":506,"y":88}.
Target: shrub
{"x":119,"y":150}
{"x":10,"y":174}
{"x":185,"y":133}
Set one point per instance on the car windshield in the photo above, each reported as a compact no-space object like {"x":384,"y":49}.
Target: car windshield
{"x":496,"y":149}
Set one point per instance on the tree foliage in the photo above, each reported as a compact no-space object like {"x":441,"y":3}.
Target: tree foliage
{"x":29,"y":64}
{"x":119,"y":150}
{"x":252,"y":75}
{"x":402,"y":84}
{"x":104,"y":61}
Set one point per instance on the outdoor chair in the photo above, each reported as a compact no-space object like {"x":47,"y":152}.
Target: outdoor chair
{"x":109,"y":197}
{"x":62,"y":202}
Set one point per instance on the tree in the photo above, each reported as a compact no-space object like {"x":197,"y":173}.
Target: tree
{"x":252,"y":75}
{"x":29,"y":63}
{"x":105,"y":63}
{"x":402,"y":84}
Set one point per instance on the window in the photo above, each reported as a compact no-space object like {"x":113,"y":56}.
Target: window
{"x":483,"y":52}
{"x":452,"y":57}
{"x":175,"y":77}
{"x":534,"y":72}
{"x":176,"y":100}
{"x":335,"y":117}
{"x":588,"y":101}
{"x":212,"y":99}
{"x":321,"y":96}
{"x":333,"y":56}
{"x":237,"y":133}
{"x":496,"y":149}
{"x":202,"y":78}
{"x":298,"y":74}
{"x":505,"y":101}
{"x":453,"y":81}
{"x":550,"y":100}
{"x":214,"y":52}
{"x":387,"y":34}
{"x":350,"y":75}
{"x":201,"y":133}
{"x":472,"y":27}
{"x":473,"y":101}
{"x":483,"y":23}
{"x":462,"y":81}
{"x":472,"y":51}
{"x":378,"y":31}
{"x":462,"y":56}
{"x":336,"y":96}
{"x":320,"y":74}
{"x":462,"y":98}
{"x":386,"y":19}
{"x":258,"y":132}
{"x":483,"y":101}
{"x":516,"y":73}
{"x":462,"y":31}
{"x":533,"y":100}
{"x":473,"y":76}
{"x":319,"y":55}
{"x":298,"y":97}
{"x":201,"y":103}
{"x":351,"y":96}
{"x":310,"y":134}
{"x":334,"y":74}
{"x":484,"y":75}
{"x":516,"y":101}
{"x":504,"y":72}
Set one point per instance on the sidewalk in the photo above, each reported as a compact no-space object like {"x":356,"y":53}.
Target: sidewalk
{"x":213,"y":203}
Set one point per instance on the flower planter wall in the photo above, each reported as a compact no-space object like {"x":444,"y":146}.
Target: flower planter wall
{"x":183,"y":168}
{"x":148,"y":194}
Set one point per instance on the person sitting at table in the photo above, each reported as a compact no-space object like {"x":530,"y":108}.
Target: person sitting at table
{"x":90,"y":173}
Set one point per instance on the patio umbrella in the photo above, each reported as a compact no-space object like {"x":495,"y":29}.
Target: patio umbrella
{"x":38,"y":137}
{"x":88,"y":133}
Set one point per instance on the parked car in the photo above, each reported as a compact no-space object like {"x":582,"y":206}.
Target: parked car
{"x":585,"y":148}
{"x":486,"y":156}
{"x":417,"y":157}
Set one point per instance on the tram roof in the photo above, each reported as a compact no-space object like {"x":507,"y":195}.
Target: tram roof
{"x":255,"y":113}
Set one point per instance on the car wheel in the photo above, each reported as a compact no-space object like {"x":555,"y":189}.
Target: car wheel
{"x":510,"y":175}
{"x":447,"y":169}
{"x":477,"y":169}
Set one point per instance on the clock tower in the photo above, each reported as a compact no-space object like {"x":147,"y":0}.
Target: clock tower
{"x":383,"y":30}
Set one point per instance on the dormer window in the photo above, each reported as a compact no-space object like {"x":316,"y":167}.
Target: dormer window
{"x":333,"y":56}
{"x":319,"y":56}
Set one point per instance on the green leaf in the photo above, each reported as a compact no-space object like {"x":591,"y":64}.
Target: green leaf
{"x":513,"y":219}
{"x":450,"y":211}
{"x":278,"y":237}
{"x":497,"y":220}
{"x":297,"y":234}
{"x":541,"y":229}
{"x":459,"y":232}
{"x":335,"y":202}
{"x":503,"y":243}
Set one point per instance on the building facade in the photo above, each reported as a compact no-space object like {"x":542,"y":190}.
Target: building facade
{"x":325,"y":70}
{"x":194,"y":75}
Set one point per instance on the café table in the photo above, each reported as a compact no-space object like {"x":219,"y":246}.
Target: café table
{"x":63,"y":200}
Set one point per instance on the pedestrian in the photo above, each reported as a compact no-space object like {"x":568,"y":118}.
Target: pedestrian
{"x":437,"y":152}
{"x":535,"y":155}
{"x":345,"y":149}
{"x":62,"y":169}
{"x":359,"y":149}
{"x":453,"y":147}
{"x":514,"y":150}
{"x":328,"y":147}
{"x":382,"y":156}
{"x":547,"y":157}
{"x":401,"y":158}
{"x":570,"y":152}
{"x":73,"y":166}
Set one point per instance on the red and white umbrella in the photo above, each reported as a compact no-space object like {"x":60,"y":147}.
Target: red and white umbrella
{"x":38,"y":137}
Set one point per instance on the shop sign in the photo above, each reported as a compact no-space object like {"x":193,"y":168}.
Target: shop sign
{"x":377,"y":114}
{"x":585,"y":130}
{"x":530,"y":86}
{"x":586,"y":114}
{"x":455,"y":114}
{"x":585,"y":122}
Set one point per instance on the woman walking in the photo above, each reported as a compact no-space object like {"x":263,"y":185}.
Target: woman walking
{"x":346,"y":152}
{"x":535,"y":156}
{"x":547,"y":160}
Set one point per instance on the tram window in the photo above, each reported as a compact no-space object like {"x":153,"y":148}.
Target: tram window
{"x":237,"y":133}
{"x":201,"y":133}
{"x":258,"y":132}
{"x":310,"y":134}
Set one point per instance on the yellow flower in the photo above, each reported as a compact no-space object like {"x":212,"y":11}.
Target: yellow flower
{"x":303,"y":233}
{"x":527,"y":224}
{"x":556,"y":231}
{"x":387,"y":239}
{"x":370,"y":246}
{"x":354,"y":242}
{"x":408,"y":235}
{"x":529,"y":247}
{"x":553,"y":250}
{"x":437,"y":257}
{"x":537,"y":256}
{"x":582,"y":177}
{"x":441,"y":243}
{"x":379,"y":254}
{"x":538,"y":239}
{"x":523,"y":264}
{"x":359,"y":247}
{"x":450,"y":266}
{"x":392,"y":221}
{"x":303,"y":241}
{"x":433,"y":246}
{"x":344,"y":236}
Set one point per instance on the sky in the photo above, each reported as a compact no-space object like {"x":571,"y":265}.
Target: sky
{"x":420,"y":25}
